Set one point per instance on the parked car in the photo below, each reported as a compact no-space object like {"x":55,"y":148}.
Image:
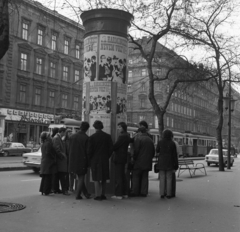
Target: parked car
{"x":11,"y":148}
{"x":212,"y":157}
{"x":33,"y":160}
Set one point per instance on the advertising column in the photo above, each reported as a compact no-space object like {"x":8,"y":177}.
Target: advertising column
{"x":105,"y":67}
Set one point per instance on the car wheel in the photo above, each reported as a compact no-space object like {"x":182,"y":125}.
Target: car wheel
{"x":208,"y":164}
{"x":6,"y":153}
{"x":36,"y":170}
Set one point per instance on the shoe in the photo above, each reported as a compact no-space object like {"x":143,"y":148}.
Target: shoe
{"x":168,"y":197}
{"x":162,"y":196}
{"x":103,"y":197}
{"x":98,"y":198}
{"x":88,"y":196}
{"x":143,"y":195}
{"x":66,"y":193}
{"x":58,"y":191}
{"x":117,"y":197}
{"x":79,"y":198}
{"x":132,"y":195}
{"x":125,"y":196}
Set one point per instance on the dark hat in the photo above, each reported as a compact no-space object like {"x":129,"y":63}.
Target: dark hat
{"x":143,"y":123}
{"x":98,"y":125}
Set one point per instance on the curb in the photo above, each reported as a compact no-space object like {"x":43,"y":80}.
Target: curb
{"x":3,"y":169}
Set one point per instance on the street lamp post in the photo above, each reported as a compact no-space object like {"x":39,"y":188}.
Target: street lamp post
{"x":229,"y":105}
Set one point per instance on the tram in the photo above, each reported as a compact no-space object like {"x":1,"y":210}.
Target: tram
{"x":68,"y":123}
{"x":191,"y":144}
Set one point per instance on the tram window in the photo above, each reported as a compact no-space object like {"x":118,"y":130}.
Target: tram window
{"x":186,"y":141}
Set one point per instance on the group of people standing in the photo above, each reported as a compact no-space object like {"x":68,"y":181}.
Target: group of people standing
{"x":66,"y":159}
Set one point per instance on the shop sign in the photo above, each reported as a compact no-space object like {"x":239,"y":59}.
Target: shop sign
{"x":26,"y":116}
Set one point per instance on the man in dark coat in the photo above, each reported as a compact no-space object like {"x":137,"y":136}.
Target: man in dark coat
{"x":78,"y":160}
{"x":100,"y":148}
{"x":60,"y":149}
{"x":144,"y":151}
{"x":120,"y":158}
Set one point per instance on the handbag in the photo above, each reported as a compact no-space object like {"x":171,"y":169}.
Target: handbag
{"x":156,"y":168}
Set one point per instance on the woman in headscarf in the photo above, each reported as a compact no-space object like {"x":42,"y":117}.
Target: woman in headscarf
{"x":48,"y":163}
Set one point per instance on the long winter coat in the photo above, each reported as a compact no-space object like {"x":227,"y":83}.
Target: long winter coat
{"x":60,"y":149}
{"x":120,"y":148}
{"x":144,"y":151}
{"x":168,"y":158}
{"x":100,"y":148}
{"x":78,"y":159}
{"x":48,"y":162}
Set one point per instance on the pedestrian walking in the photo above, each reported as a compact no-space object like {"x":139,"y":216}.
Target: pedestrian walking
{"x":48,"y":163}
{"x":100,"y":148}
{"x":144,"y":151}
{"x":78,"y":159}
{"x":120,"y":158}
{"x":60,"y":149}
{"x":167,"y":162}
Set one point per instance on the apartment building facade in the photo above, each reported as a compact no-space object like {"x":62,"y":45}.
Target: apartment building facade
{"x":41,"y":74}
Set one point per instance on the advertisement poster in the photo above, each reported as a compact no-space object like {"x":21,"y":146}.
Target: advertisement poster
{"x":90,"y":58}
{"x":113,"y":53}
{"x":121,"y":99}
{"x":100,"y":97}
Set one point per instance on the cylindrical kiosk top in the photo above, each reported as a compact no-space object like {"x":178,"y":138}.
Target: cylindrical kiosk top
{"x":106,"y":21}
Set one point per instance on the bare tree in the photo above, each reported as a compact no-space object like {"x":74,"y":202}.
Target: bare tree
{"x":207,"y":31}
{"x":4,"y":28}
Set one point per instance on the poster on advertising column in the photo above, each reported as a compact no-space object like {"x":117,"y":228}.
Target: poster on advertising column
{"x":84,"y":101}
{"x":90,"y":58}
{"x":100,"y":97}
{"x":121,"y":109}
{"x":113,"y":51}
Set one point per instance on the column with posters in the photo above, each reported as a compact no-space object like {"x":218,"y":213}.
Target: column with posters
{"x":121,"y":109}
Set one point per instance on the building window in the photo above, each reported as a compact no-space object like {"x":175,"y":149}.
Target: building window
{"x":76,"y":77}
{"x":172,"y":122}
{"x":65,"y":73}
{"x":66,"y":46}
{"x":23,"y":62}
{"x":25,"y":29}
{"x":54,"y":41}
{"x":51,"y":101}
{"x":64,"y":100}
{"x":52,"y":69}
{"x":37,"y":97}
{"x":40,"y":36}
{"x":129,"y":104}
{"x":141,"y":117}
{"x":142,"y":103}
{"x":39,"y":64}
{"x":77,"y":51}
{"x":129,"y":88}
{"x":167,"y":121}
{"x":142,"y":86}
{"x":129,"y":73}
{"x":22,"y":95}
{"x":76,"y":103}
{"x":144,"y":73}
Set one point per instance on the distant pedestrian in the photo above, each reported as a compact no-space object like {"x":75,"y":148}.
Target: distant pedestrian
{"x":66,"y":140}
{"x":144,"y":151}
{"x":78,"y":159}
{"x":48,"y":163}
{"x":120,"y":159}
{"x":100,"y":148}
{"x":167,"y":162}
{"x":143,"y":124}
{"x":60,"y":149}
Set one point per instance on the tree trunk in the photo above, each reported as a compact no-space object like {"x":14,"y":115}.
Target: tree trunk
{"x":219,"y":132}
{"x":4,"y":28}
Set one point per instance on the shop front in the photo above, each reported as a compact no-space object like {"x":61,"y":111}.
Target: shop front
{"x":24,"y":126}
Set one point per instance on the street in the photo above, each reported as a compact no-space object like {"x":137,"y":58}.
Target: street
{"x":203,"y":203}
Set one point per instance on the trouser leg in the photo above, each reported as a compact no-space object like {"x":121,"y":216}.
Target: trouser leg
{"x":144,"y":183}
{"x":119,"y":174}
{"x":173,"y":184}
{"x":97,"y":188}
{"x":136,"y":181}
{"x":103,"y":188}
{"x":62,"y":178}
{"x":79,"y":186}
{"x":162,"y":181}
{"x":169,"y":182}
